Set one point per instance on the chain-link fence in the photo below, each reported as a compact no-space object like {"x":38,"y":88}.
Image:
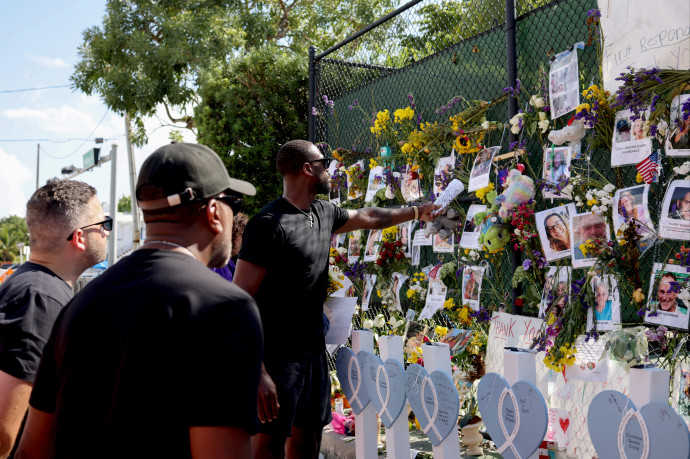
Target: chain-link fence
{"x":437,"y":50}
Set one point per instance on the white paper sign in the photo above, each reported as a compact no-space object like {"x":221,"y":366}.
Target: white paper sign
{"x":509,"y":330}
{"x":644,"y":34}
{"x":470,"y":232}
{"x":435,"y":298}
{"x":339,"y":312}
{"x":564,"y":92}
{"x":587,"y":365}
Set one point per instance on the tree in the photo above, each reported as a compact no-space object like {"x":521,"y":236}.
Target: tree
{"x":249,"y":108}
{"x":124,"y":204}
{"x":150,"y":53}
{"x":12,"y":230}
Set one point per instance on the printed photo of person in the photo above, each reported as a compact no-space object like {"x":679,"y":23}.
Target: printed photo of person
{"x":587,"y":227}
{"x":409,"y":185}
{"x":680,"y":205}
{"x":556,"y":169}
{"x":443,"y":173}
{"x":354,"y":246}
{"x":678,"y":139}
{"x":457,"y":340}
{"x":471,"y":285}
{"x":404,"y":234}
{"x":556,"y":290}
{"x":675,"y":212}
{"x":373,"y":242}
{"x":603,"y":306}
{"x":470,"y":235}
{"x":623,"y":130}
{"x":369,"y":281}
{"x":553,"y":226}
{"x":479,"y":176}
{"x":666,"y":308}
{"x":631,"y":206}
{"x":629,"y":144}
{"x":443,"y":245}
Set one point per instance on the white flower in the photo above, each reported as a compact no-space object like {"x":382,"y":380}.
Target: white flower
{"x":389,"y":193}
{"x":543,"y":125}
{"x":536,"y":102}
{"x":379,"y":321}
{"x":395,"y":323}
{"x":356,"y":234}
{"x":685,"y":296}
{"x":368,"y":324}
{"x":486,"y":125}
{"x":661,"y":128}
{"x":331,"y":260}
{"x":609,"y":188}
{"x":342,"y":251}
{"x":517,"y":232}
{"x":589,"y":196}
{"x":595,"y":208}
{"x":568,"y":189}
{"x":515,"y":129}
{"x":542,"y":116}
{"x":591,"y":273}
{"x":623,"y":228}
{"x":606,"y":201}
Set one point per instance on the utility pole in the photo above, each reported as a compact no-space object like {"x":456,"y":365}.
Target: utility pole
{"x":112,"y":240}
{"x":38,"y":159}
{"x":132,"y":187}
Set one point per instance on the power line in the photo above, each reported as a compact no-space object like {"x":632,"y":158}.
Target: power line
{"x":71,"y":139}
{"x":33,"y":89}
{"x":90,"y":134}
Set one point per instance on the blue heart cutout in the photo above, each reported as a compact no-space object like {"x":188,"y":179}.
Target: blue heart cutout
{"x":516,"y":417}
{"x":350,"y":369}
{"x":655,"y":431}
{"x":434,"y":400}
{"x":385,"y":384}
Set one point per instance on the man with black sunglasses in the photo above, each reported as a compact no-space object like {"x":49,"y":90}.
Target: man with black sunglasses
{"x":158,"y":356}
{"x":283,"y":263}
{"x":32,"y":297}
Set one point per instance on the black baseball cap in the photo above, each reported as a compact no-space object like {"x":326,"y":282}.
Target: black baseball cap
{"x":187,"y":172}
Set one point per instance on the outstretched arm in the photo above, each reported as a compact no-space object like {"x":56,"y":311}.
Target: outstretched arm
{"x":383,"y":217}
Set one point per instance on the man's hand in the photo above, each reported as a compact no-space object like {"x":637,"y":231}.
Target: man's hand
{"x":425,"y":211}
{"x":267,"y":404}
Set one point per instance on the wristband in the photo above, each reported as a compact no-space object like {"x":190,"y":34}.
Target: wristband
{"x":416,"y":212}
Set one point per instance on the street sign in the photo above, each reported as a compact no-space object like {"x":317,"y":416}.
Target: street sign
{"x":91,"y":157}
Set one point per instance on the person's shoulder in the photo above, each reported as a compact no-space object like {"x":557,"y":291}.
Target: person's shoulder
{"x":34,"y":279}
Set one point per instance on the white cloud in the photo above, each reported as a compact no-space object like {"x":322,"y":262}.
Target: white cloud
{"x":63,"y":120}
{"x":13,"y":174}
{"x":51,"y":62}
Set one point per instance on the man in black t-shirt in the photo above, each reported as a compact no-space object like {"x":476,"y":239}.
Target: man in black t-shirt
{"x":68,"y":233}
{"x":283,"y":263}
{"x":159,"y":356}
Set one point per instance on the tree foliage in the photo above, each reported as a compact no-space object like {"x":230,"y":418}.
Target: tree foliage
{"x":124,"y":204}
{"x":12,"y":230}
{"x":250,"y":107}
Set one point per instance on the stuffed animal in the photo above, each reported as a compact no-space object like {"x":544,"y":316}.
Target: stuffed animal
{"x":443,"y":225}
{"x":493,"y":234}
{"x":572,"y":133}
{"x":519,"y":189}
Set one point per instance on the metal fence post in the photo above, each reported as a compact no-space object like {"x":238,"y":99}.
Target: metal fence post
{"x":312,"y":94}
{"x":511,"y":67}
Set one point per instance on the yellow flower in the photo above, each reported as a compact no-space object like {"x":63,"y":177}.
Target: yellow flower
{"x":639,"y":178}
{"x":410,"y":293}
{"x":591,"y":202}
{"x":407,"y":148}
{"x":551,"y":320}
{"x":582,"y":107}
{"x":638,"y":296}
{"x":336,"y":155}
{"x":402,"y":114}
{"x":481,"y":193}
{"x":441,"y":331}
{"x":449,"y":303}
{"x":464,"y":316}
{"x":378,"y":292}
{"x":372,"y":163}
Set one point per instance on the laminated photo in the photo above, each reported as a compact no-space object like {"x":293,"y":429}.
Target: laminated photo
{"x":337,"y":240}
{"x":564,"y":93}
{"x":606,"y":311}
{"x":405,"y":236}
{"x":674,"y":222}
{"x":375,"y":182}
{"x":630,"y":143}
{"x":553,"y":226}
{"x":479,"y":177}
{"x":556,"y":287}
{"x":357,"y":193}
{"x":442,"y":173}
{"x":369,"y":283}
{"x":420,"y":240}
{"x":371,"y":251}
{"x":680,"y":398}
{"x":354,"y":246}
{"x":334,"y":191}
{"x":631,"y":205}
{"x":678,"y":137}
{"x":409,"y":185}
{"x":435,"y":298}
{"x":668,"y":301}
{"x":472,"y":286}
{"x":470,"y":231}
{"x":457,"y":339}
{"x":591,"y":361}
{"x":444,"y":245}
{"x":586,"y":227}
{"x":556,"y":170}
{"x":397,"y":280}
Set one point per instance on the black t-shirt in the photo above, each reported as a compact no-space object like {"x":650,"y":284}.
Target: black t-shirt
{"x":30,"y":301}
{"x":156,"y":344}
{"x":293,"y":291}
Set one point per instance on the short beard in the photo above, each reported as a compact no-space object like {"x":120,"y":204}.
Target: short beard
{"x":324,"y":187}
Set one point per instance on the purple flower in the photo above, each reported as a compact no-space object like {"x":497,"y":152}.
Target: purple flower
{"x":527,"y":264}
{"x":352,"y":105}
{"x":595,"y":13}
{"x":314,"y":111}
{"x":514,"y":91}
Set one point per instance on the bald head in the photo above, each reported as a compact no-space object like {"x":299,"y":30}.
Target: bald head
{"x":293,"y":154}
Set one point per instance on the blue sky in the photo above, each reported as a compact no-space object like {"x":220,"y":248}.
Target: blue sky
{"x":39,"y":49}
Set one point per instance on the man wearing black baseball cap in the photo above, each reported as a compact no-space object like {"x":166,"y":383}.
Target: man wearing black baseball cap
{"x":159,"y":356}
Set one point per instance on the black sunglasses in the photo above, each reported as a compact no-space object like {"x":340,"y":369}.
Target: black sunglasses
{"x":107,"y":225}
{"x":326,"y":161}
{"x":235,"y":202}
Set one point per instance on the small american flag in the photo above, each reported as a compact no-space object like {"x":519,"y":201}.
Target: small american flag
{"x":648,"y":167}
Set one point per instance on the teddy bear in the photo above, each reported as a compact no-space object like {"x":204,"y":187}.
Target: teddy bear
{"x":443,"y":225}
{"x":571,"y":133}
{"x":518,"y":190}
